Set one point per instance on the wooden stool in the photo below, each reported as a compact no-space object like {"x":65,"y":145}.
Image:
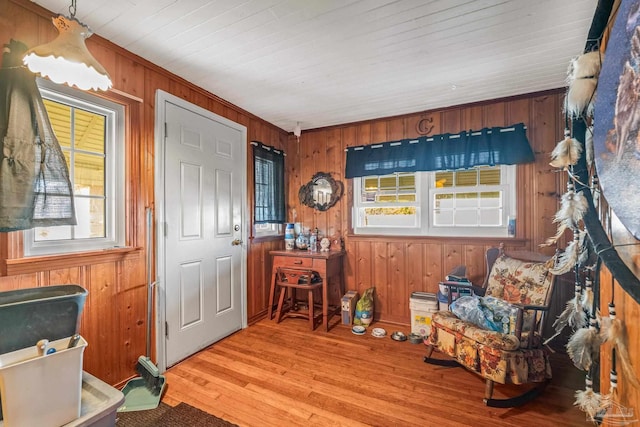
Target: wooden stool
{"x":289,"y":280}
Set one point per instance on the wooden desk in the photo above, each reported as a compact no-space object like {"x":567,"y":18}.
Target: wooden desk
{"x":327,"y":264}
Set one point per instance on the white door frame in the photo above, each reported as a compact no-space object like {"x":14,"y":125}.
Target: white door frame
{"x":162,"y":98}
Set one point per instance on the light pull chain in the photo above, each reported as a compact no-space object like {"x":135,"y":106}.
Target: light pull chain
{"x":72,"y":8}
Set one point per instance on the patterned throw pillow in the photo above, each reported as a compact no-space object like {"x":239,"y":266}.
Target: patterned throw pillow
{"x":518,"y":281}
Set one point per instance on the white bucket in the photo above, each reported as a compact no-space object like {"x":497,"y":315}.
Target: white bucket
{"x":422,"y":306}
{"x":42,"y":390}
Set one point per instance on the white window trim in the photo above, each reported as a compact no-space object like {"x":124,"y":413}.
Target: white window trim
{"x":425,"y":189}
{"x":114,"y":168}
{"x":274,"y":229}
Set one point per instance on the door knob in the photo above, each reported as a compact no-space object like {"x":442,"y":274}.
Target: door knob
{"x":236,"y":242}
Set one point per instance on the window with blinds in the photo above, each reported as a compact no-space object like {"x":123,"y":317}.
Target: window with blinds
{"x":269,"y":198}
{"x":468,"y":198}
{"x":467,"y":202}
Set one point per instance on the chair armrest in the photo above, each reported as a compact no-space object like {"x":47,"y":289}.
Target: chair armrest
{"x":531,"y":307}
{"x":520,"y":319}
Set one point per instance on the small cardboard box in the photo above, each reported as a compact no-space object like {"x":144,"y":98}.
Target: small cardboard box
{"x":349,"y":301}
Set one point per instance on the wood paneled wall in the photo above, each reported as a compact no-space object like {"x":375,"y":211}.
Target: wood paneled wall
{"x":627,"y":310}
{"x":398,"y":266}
{"x":113,"y":320}
{"x":114,"y":316}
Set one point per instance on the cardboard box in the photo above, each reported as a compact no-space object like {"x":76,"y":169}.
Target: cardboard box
{"x":349,"y":301}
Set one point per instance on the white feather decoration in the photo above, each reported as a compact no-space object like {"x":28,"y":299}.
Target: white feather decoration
{"x":587,"y":400}
{"x":584,"y":346}
{"x":566,"y":153}
{"x":588,"y":146}
{"x":573,"y":315}
{"x":552,"y":240}
{"x":595,"y":191}
{"x":567,"y":259}
{"x":587,"y":295}
{"x":581,"y":97}
{"x":583,"y":79}
{"x":583,"y":255}
{"x":608,"y":400}
{"x":572,"y":208}
{"x":614,"y":332}
{"x":585,"y":65}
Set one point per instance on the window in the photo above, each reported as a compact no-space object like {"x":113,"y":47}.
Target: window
{"x":90,"y":132}
{"x":465,"y":202}
{"x":269,"y":210}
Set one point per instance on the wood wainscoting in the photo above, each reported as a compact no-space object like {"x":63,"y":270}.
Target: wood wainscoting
{"x":398,"y":266}
{"x":114,"y":318}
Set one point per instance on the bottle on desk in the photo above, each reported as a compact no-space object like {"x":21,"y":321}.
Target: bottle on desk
{"x":313,"y":240}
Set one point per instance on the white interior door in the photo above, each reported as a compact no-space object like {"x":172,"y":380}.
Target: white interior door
{"x":203,"y":204}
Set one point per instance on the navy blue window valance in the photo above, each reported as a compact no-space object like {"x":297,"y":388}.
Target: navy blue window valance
{"x":467,"y":149}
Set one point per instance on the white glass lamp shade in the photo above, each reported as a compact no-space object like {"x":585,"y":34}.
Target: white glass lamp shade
{"x":66,"y":59}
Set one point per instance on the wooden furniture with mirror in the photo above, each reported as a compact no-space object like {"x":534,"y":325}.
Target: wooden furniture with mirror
{"x":328,"y":265}
{"x":321,"y":192}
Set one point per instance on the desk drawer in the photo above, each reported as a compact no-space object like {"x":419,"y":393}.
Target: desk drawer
{"x":292,"y":261}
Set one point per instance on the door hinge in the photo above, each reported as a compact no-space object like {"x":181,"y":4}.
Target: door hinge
{"x":166,"y":229}
{"x":166,"y":132}
{"x":166,"y":329}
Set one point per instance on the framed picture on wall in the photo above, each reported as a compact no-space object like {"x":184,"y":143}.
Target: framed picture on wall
{"x":617,"y":118}
{"x":616,"y":130}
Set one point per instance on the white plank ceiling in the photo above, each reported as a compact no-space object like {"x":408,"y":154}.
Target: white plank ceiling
{"x":328,"y":62}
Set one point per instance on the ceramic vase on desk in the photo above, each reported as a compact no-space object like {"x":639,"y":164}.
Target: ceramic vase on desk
{"x":289,"y":236}
{"x":302,"y":241}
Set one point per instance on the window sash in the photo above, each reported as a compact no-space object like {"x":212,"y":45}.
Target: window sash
{"x":112,"y":197}
{"x":269,"y":198}
{"x":492,"y":219}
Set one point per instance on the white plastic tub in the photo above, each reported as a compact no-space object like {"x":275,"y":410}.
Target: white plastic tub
{"x":42,"y":390}
{"x":422,"y":306}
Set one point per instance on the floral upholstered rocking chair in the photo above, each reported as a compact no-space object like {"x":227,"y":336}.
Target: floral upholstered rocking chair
{"x":520,"y":284}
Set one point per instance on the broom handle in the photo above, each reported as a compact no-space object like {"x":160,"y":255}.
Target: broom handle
{"x":149,"y":280}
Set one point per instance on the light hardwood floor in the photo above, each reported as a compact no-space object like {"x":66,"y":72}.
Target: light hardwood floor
{"x":285,"y":375}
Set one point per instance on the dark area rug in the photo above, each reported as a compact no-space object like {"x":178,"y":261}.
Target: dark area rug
{"x":166,"y":416}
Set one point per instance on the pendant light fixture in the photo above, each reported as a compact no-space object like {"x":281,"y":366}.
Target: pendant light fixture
{"x":66,"y":59}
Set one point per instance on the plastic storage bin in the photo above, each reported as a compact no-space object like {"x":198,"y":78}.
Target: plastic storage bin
{"x":29,"y":315}
{"x":100,"y":403}
{"x":422,"y":305}
{"x":42,"y":390}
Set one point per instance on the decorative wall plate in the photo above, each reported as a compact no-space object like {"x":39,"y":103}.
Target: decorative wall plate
{"x":617,"y":118}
